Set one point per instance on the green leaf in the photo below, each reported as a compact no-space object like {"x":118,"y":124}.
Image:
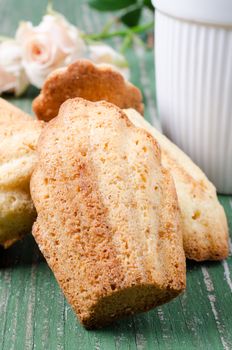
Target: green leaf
{"x":111,"y":5}
{"x":132,"y":18}
{"x":148,"y":4}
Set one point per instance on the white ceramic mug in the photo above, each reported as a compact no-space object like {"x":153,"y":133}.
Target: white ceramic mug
{"x":193,"y":59}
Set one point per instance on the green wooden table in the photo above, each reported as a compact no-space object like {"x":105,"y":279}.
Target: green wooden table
{"x":33,"y":311}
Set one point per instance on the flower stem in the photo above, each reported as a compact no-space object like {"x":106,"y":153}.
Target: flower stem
{"x":126,"y":42}
{"x":133,"y":30}
{"x":108,"y":25}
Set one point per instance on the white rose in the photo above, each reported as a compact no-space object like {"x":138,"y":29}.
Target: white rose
{"x":53,"y":43}
{"x":104,"y":54}
{"x":12,"y":75}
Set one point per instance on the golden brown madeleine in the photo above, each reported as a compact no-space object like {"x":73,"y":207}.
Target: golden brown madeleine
{"x":19,"y":134}
{"x":108,"y":219}
{"x":86,"y":80}
{"x":205,"y":229}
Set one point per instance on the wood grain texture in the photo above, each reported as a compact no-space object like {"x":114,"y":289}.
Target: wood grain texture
{"x":33,"y":311}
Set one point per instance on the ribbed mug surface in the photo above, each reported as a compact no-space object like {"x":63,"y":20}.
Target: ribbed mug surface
{"x":194,"y":92}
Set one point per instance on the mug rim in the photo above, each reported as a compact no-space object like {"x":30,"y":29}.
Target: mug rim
{"x":218,"y":12}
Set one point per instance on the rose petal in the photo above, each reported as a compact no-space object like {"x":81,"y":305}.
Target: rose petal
{"x":12,"y":75}
{"x":24,"y":31}
{"x":51,"y":44}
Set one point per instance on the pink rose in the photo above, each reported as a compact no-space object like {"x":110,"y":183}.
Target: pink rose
{"x":52,"y":44}
{"x":12,"y":75}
